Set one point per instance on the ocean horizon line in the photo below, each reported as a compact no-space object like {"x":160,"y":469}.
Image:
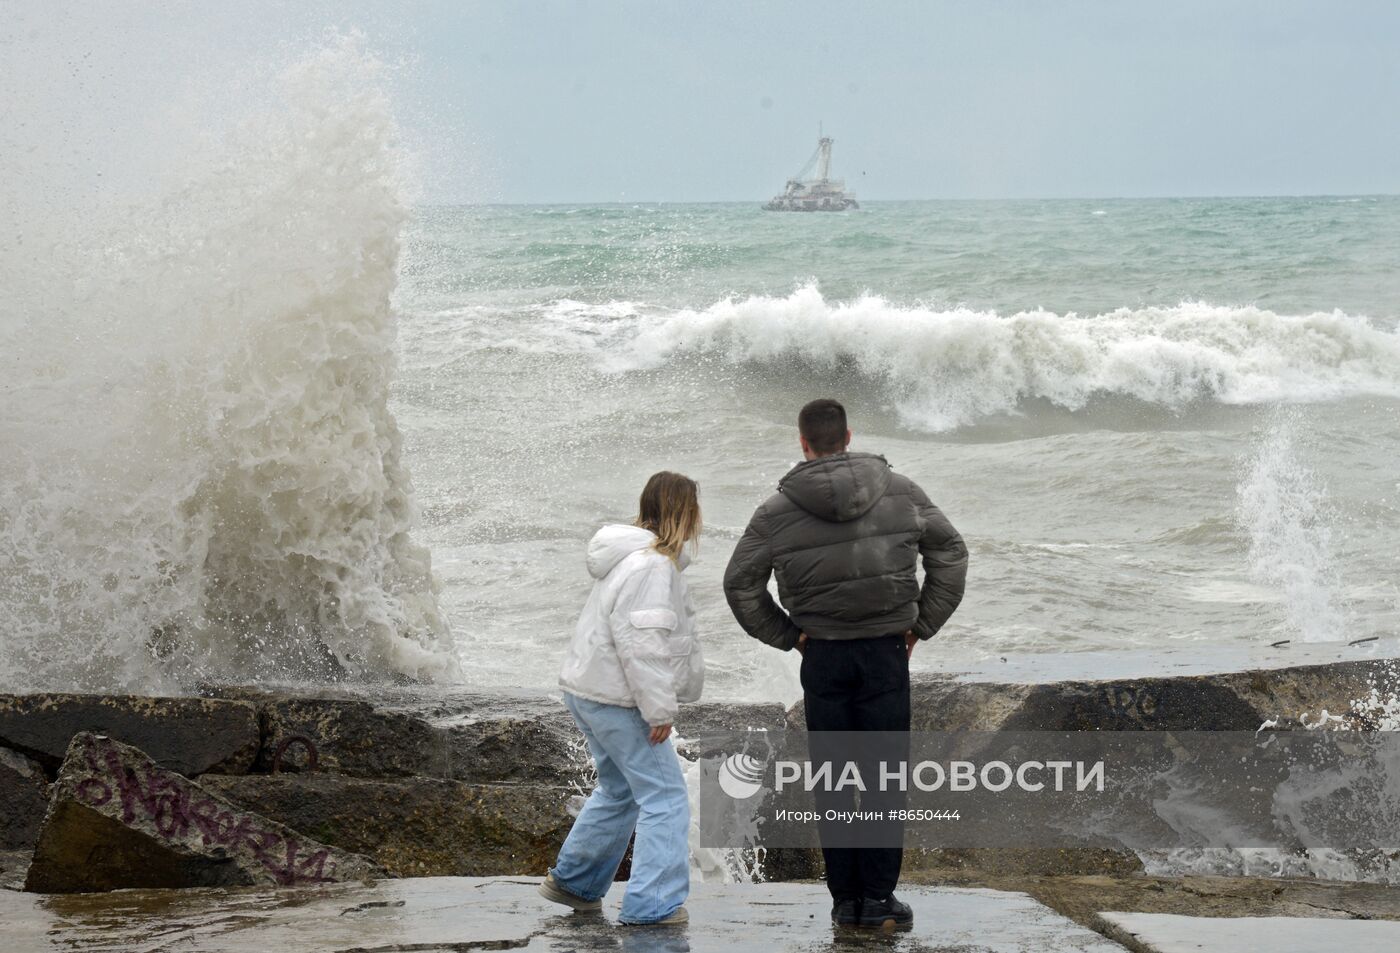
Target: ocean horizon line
{"x":621,"y":203}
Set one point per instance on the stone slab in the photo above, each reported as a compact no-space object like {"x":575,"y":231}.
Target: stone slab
{"x":354,"y":737}
{"x":14,"y":864}
{"x":533,"y":739}
{"x":709,"y":728}
{"x":1170,"y":701}
{"x":450,"y":732}
{"x":190,"y":736}
{"x":417,"y":828}
{"x":1171,"y":933}
{"x":410,"y":731}
{"x":1185,"y":660}
{"x":545,"y":750}
{"x":24,"y":797}
{"x":447,"y":914}
{"x":118,"y":820}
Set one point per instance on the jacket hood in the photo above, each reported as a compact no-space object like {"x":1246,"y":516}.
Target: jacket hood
{"x":838,"y":488}
{"x":615,"y":542}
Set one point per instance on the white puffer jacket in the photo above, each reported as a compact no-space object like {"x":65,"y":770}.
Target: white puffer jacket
{"x":635,"y":644}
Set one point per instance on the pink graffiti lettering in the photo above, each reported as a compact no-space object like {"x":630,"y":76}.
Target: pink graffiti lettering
{"x":94,"y":791}
{"x":177,"y":811}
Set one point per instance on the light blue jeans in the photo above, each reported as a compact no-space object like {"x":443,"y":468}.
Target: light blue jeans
{"x":640,"y":786}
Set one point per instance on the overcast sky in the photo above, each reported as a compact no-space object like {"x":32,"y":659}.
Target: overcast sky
{"x":574,"y":101}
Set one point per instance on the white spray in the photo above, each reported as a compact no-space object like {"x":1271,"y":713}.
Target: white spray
{"x":1283,"y":507}
{"x":200,"y":475}
{"x":948,"y":368}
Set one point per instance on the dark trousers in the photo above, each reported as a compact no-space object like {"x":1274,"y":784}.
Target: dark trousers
{"x":859,"y":685}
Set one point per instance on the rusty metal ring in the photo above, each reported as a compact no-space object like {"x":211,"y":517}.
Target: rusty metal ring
{"x":313,"y":758}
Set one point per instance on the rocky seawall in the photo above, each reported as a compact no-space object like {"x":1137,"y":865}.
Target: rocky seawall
{"x":443,"y":782}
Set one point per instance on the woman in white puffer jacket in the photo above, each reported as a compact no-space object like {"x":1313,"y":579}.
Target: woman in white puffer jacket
{"x":634,"y":658}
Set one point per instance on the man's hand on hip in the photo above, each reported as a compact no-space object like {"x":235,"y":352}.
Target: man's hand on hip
{"x":801,"y":645}
{"x":910,"y":640}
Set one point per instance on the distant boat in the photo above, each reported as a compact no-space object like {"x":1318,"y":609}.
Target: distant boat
{"x":820,"y":193}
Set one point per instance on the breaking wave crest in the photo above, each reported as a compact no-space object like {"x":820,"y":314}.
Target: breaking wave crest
{"x":947,"y":368}
{"x":201,"y":478}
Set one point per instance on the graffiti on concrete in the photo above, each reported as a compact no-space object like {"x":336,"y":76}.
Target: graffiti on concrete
{"x":175,"y":810}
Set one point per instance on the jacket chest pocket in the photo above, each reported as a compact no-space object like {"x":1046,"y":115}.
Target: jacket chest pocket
{"x":657,"y":633}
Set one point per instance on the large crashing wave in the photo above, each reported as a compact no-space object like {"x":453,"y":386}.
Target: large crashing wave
{"x":948,"y":368}
{"x":200,"y":477}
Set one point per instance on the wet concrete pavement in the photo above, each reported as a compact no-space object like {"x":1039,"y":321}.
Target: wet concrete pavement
{"x":442,"y":914}
{"x":1168,"y":933}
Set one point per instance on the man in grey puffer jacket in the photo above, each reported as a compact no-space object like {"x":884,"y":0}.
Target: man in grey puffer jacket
{"x":844,"y":535}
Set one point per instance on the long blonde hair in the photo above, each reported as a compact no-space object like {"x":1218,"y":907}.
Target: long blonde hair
{"x":670,"y":508}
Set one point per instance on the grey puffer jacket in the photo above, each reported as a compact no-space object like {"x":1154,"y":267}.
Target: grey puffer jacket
{"x":844,"y":534}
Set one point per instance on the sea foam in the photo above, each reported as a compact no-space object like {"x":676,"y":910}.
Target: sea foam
{"x":201,"y":478}
{"x":946,"y":368}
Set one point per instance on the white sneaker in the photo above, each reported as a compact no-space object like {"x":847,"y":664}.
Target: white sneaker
{"x":677,"y":917}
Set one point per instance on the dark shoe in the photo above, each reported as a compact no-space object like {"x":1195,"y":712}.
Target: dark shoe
{"x":551,"y":891}
{"x":886,"y":914}
{"x":846,"y":913}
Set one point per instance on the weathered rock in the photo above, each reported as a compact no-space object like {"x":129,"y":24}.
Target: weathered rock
{"x":402,"y":732}
{"x":713,"y":718}
{"x":117,"y":819}
{"x":478,"y":738}
{"x":189,"y":736}
{"x":353,"y":737}
{"x":515,"y":738}
{"x":781,"y":864}
{"x":1229,"y":701}
{"x":711,"y":728}
{"x":1194,"y":699}
{"x":1287,"y":693}
{"x":986,"y":862}
{"x":550,"y":752}
{"x":544,"y":746}
{"x":13,"y":866}
{"x":359,"y":739}
{"x":23,"y":799}
{"x":420,"y":827}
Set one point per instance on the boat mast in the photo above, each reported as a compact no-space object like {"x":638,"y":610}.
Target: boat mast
{"x":824,"y":163}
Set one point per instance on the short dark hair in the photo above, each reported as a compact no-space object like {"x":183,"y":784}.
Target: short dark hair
{"x":822,"y":424}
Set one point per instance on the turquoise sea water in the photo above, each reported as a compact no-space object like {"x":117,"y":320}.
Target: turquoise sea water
{"x":1156,"y":421}
{"x":1292,"y":255}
